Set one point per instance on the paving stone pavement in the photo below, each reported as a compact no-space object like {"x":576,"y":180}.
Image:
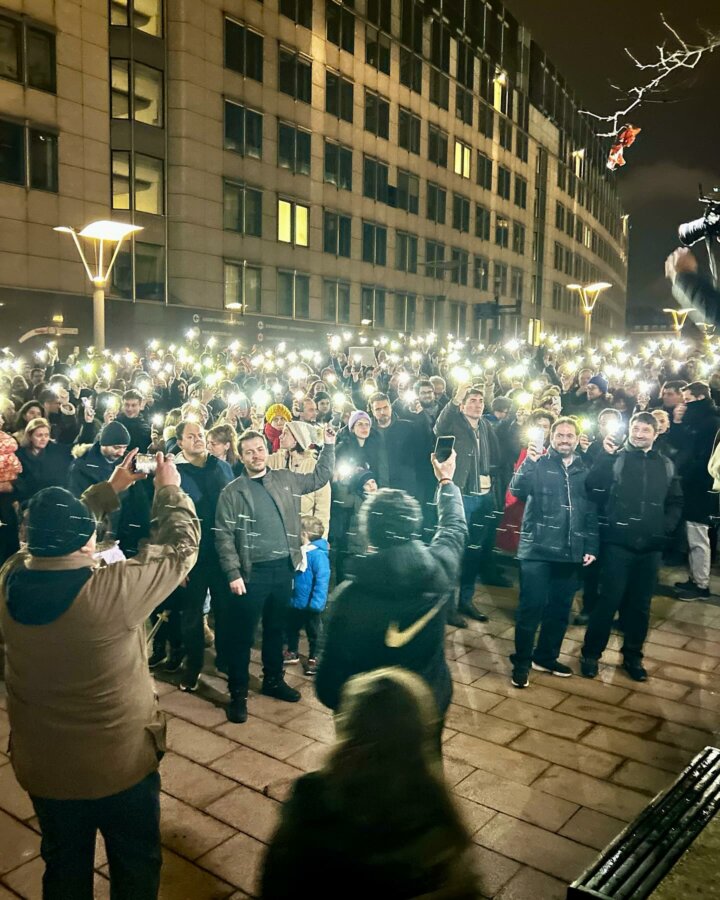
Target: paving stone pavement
{"x":545,"y":777}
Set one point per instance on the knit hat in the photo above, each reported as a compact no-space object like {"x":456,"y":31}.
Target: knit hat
{"x":303,"y":433}
{"x":600,"y":382}
{"x":361,"y":479}
{"x":277,"y":409}
{"x":356,"y":417}
{"x":58,"y":523}
{"x":114,"y":434}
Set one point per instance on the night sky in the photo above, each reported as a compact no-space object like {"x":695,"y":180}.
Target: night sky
{"x":680,"y":142}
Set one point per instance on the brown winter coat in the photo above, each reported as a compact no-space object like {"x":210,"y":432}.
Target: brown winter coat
{"x":84,"y":719}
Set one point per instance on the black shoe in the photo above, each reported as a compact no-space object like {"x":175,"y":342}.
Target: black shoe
{"x":588,"y":667}
{"x":472,"y":613}
{"x":236,"y":710}
{"x":581,"y":619}
{"x":553,"y":668}
{"x":174,"y":661}
{"x":456,"y":620}
{"x":158,"y":658}
{"x":635,"y":671}
{"x":520,"y":676}
{"x":277,"y":688}
{"x":693,"y":593}
{"x":190,"y":682}
{"x":685,"y":585}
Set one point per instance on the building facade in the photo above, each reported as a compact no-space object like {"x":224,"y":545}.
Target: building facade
{"x":299,"y":167}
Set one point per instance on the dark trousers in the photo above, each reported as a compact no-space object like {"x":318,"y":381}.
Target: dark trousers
{"x":482,"y":523}
{"x":268,"y":598}
{"x":190,"y":601}
{"x":130,"y":825}
{"x":546,"y":594}
{"x":311,"y":621}
{"x":591,"y":586}
{"x":629,"y":578}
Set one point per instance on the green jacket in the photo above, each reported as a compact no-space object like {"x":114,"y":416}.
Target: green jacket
{"x":235,"y":515}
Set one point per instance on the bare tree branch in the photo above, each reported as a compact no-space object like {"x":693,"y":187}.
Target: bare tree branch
{"x":684,"y":56}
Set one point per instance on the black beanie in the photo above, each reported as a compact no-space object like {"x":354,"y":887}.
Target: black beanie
{"x":114,"y":434}
{"x":58,"y":523}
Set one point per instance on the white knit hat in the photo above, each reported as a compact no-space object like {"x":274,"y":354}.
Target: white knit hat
{"x":303,"y":433}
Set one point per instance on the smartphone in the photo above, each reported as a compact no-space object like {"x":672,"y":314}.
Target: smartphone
{"x":444,"y":446}
{"x":145,"y":464}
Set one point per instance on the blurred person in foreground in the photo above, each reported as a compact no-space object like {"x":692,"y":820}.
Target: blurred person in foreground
{"x":378,"y":816}
{"x":86,"y":732}
{"x":392,"y":612}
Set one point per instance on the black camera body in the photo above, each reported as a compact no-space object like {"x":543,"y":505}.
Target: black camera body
{"x":708,"y":226}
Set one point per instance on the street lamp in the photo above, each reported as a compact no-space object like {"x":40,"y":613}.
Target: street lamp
{"x":589,"y":294}
{"x":99,"y":234}
{"x":678,"y":317}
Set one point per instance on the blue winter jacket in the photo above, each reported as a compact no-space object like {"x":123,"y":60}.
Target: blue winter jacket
{"x":311,"y":586}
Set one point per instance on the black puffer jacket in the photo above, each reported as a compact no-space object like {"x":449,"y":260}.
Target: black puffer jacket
{"x":560,"y":521}
{"x":639,"y":498}
{"x":392,"y":612}
{"x":694,"y":439}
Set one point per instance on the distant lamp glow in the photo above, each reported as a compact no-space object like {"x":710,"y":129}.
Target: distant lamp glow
{"x":98,"y":234}
{"x":589,"y":294}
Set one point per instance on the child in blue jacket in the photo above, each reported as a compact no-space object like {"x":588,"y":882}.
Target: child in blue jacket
{"x":310,"y":593}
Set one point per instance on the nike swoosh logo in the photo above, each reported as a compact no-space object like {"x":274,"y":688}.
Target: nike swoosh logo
{"x":395,"y":638}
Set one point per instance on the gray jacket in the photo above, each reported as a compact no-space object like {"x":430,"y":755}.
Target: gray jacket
{"x":235,"y":516}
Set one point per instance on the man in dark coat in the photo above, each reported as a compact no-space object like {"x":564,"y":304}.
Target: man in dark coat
{"x":396,"y":443}
{"x":640,"y":502}
{"x":693,"y":431}
{"x":133,"y":419}
{"x":96,"y":464}
{"x":559,"y":535}
{"x":392,"y":612}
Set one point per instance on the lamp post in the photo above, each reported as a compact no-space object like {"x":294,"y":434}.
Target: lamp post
{"x":589,"y":294}
{"x":99,"y":234}
{"x":678,"y":317}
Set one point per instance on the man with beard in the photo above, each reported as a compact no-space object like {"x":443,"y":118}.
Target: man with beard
{"x":640,"y":502}
{"x":396,"y":446}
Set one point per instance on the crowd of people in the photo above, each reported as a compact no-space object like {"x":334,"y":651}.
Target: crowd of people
{"x":214,"y":489}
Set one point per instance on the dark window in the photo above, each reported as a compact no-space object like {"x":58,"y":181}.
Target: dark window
{"x":559,"y":215}
{"x":379,"y":12}
{"x":243,"y":50}
{"x":242,"y":209}
{"x":34,"y":67}
{"x":336,"y":234}
{"x":338,"y":96}
{"x":377,"y":115}
{"x":43,"y":160}
{"x":405,"y":307}
{"x":295,"y":75}
{"x":503,"y":182}
{"x":440,"y":46}
{"x":11,"y":62}
{"x":500,"y":278}
{"x":436,"y":201}
{"x":410,"y":70}
{"x":377,"y":49}
{"x":437,"y":146}
{"x":372,"y":306}
{"x":505,"y":133}
{"x":299,"y":11}
{"x":12,"y":152}
{"x":408,"y":191}
{"x":484,"y":171}
{"x":435,"y":260}
{"x":408,"y":130}
{"x":374,"y":244}
{"x":243,"y":286}
{"x":336,"y":302}
{"x":340,"y":26}
{"x":521,"y":187}
{"x":293,"y":149}
{"x":338,"y":165}
{"x":464,"y":105}
{"x":518,"y":238}
{"x":517,"y":287}
{"x":243,"y":130}
{"x":502,"y":231}
{"x":481,"y":268}
{"x":521,"y":145}
{"x":293,"y":294}
{"x":406,"y":251}
{"x":465,"y":65}
{"x":40,"y":59}
{"x":482,"y":222}
{"x":411,"y":24}
{"x":460,"y":263}
{"x":486,"y":120}
{"x":439,"y":89}
{"x":375,"y":179}
{"x":149,"y":271}
{"x":461,"y":213}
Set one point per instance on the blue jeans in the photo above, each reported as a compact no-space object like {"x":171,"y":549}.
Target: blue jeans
{"x":481,"y":519}
{"x":130,"y":825}
{"x":546,"y":594}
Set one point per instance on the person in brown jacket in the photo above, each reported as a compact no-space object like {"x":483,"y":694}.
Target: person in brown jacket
{"x":86,"y":734}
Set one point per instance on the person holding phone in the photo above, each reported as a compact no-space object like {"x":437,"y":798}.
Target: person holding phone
{"x":559,"y":535}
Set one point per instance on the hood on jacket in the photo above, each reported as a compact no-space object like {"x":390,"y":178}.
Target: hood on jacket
{"x":409,"y":564}
{"x":320,"y":544}
{"x":38,"y":597}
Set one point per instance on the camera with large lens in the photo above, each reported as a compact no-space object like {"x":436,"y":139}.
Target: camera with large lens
{"x":708,"y":226}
